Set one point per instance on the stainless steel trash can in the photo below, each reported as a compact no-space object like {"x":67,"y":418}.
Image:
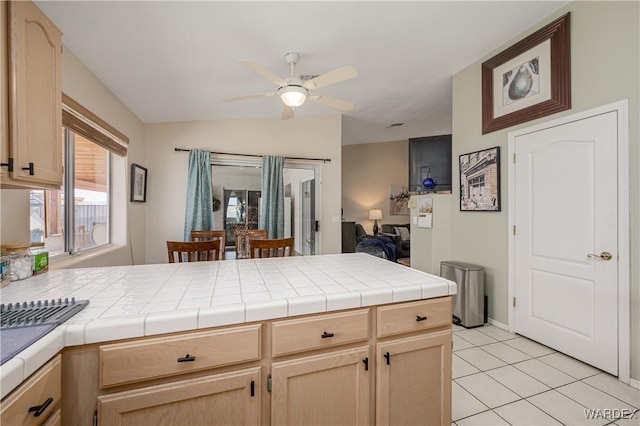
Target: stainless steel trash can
{"x":468,"y":303}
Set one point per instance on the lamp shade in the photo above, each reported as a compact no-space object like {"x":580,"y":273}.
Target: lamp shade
{"x":375,"y":214}
{"x":293,"y":96}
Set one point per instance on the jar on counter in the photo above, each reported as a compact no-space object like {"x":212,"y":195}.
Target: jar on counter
{"x":20,"y":260}
{"x":5,"y":261}
{"x":40,"y":258}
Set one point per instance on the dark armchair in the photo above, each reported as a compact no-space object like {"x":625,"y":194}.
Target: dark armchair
{"x":400,"y":233}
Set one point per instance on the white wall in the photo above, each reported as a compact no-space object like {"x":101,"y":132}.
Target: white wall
{"x":605,"y":65}
{"x":127,"y":218}
{"x":167,"y":176}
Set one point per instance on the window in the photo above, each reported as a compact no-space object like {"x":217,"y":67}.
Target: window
{"x":76,"y":217}
{"x":82,"y":204}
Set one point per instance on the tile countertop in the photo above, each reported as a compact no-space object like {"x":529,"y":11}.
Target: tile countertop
{"x":145,"y":300}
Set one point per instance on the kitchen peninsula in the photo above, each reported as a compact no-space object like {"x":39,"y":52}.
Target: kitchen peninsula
{"x":348,"y":338}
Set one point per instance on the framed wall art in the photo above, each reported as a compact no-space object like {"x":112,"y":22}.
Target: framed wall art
{"x":480,"y":180}
{"x":528,"y":80}
{"x":138,"y":183}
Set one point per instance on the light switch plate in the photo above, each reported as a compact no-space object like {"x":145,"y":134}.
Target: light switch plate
{"x":415,"y":220}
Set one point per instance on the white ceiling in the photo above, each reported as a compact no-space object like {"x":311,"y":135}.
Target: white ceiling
{"x":175,"y":61}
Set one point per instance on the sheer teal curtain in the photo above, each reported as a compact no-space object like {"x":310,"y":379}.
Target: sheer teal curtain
{"x":272,"y":209}
{"x":199,"y":210}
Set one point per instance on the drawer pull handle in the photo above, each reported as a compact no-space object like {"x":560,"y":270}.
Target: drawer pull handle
{"x":388,"y":357}
{"x":39,"y":409}
{"x":187,"y":358}
{"x":419,"y":318}
{"x":325,"y":335}
{"x":30,"y":168}
{"x":366,"y":364}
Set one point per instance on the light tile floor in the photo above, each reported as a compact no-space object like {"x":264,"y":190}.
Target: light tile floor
{"x":501,"y":378}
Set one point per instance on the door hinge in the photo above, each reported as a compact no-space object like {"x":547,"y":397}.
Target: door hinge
{"x":317,"y":225}
{"x":95,"y":417}
{"x":269,"y":383}
{"x":514,"y":302}
{"x":514,"y":158}
{"x":514,"y":230}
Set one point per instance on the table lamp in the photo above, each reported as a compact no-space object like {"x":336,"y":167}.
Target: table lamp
{"x":375,"y":214}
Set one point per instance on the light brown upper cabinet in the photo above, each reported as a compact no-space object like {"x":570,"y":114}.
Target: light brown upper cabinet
{"x":31,"y":98}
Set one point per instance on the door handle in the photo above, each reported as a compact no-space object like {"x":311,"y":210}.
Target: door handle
{"x":605,"y":255}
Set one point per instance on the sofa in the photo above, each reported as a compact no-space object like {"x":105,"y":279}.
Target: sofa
{"x":401,"y":234}
{"x":376,"y":245}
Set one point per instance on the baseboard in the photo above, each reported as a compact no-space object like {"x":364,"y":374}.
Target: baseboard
{"x":498,"y":324}
{"x":634,"y":383}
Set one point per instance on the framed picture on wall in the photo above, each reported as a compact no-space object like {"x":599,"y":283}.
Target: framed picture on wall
{"x":480,"y":180}
{"x":138,"y":183}
{"x":528,"y":80}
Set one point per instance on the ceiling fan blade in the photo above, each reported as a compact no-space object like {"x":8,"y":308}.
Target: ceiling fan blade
{"x":255,"y":67}
{"x":254,"y":95}
{"x":287,"y":112}
{"x":331,"y":77}
{"x":332,"y":102}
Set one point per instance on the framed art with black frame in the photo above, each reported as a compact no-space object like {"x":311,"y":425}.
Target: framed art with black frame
{"x":480,"y":180}
{"x":138,"y":183}
{"x":528,"y":80}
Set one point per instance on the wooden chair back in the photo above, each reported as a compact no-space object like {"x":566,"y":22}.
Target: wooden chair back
{"x":276,"y":247}
{"x":251,"y":233}
{"x":220,"y":234}
{"x":193,"y":251}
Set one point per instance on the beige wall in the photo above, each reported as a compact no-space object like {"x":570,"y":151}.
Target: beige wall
{"x":605,"y":46}
{"x":368,"y":171}
{"x":318,"y":137}
{"x":127,"y":218}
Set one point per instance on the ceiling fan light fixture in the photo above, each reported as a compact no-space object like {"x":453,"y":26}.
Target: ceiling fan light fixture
{"x":293,"y":96}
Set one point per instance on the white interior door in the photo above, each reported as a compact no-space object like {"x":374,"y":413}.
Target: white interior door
{"x":566,"y":287}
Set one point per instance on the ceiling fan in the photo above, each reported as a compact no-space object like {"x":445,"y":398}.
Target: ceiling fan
{"x":294,"y":90}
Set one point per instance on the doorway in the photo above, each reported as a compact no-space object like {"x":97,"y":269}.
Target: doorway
{"x":568,"y":248}
{"x":237,"y":187}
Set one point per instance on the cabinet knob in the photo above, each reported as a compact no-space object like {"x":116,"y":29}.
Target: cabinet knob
{"x":39,"y":409}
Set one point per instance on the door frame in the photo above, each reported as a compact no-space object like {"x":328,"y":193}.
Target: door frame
{"x":624,"y":289}
{"x":250,"y":161}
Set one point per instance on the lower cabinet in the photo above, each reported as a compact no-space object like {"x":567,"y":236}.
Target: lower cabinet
{"x":37,"y":400}
{"x":385,"y":365}
{"x":413,"y":380}
{"x":327,"y":389}
{"x":219,"y":399}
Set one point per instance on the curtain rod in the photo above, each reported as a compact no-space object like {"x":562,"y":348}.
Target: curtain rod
{"x":324,"y":160}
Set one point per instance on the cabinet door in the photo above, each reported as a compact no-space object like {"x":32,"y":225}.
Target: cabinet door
{"x":221,"y":399}
{"x":35,"y":96}
{"x":413,"y":380}
{"x":327,"y":389}
{"x":4,"y":95}
{"x":35,"y":399}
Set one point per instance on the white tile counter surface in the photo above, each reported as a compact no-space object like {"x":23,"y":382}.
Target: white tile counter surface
{"x":145,"y":300}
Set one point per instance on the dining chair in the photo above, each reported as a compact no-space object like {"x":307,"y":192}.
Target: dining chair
{"x":250,"y":233}
{"x":193,"y":251}
{"x":276,"y":247}
{"x":219,"y":234}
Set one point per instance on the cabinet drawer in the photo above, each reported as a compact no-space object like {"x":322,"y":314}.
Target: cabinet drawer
{"x":320,"y":331}
{"x":413,"y":316}
{"x":42,"y":389}
{"x":167,"y":356}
